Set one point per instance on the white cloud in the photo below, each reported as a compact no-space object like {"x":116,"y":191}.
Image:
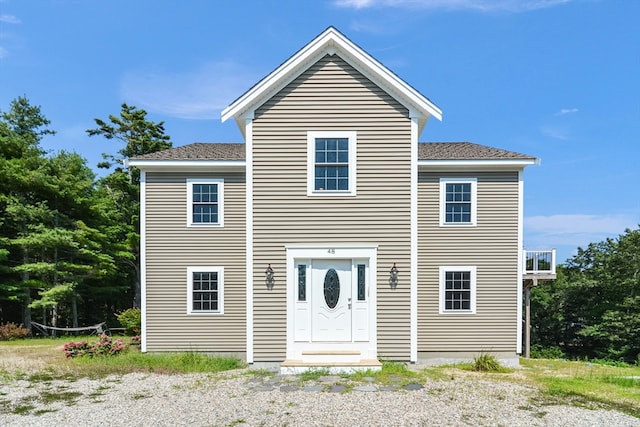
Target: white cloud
{"x":479,"y":5}
{"x":195,"y":94}
{"x":564,"y":111}
{"x":555,"y":132}
{"x":574,"y":229}
{"x":9,"y":19}
{"x":6,"y":19}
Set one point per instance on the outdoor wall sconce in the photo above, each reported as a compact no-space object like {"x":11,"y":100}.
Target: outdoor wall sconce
{"x":393,"y":277}
{"x":269,"y":280}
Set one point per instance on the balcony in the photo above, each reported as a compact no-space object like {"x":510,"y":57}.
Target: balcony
{"x":540,"y":264}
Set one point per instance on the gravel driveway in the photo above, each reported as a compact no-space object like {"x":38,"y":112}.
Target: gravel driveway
{"x":240,"y":399}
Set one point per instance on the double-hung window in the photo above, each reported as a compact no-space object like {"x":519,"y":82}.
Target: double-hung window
{"x":458,"y":290}
{"x":205,"y":202}
{"x":458,"y":201}
{"x":331,"y":163}
{"x":205,"y":290}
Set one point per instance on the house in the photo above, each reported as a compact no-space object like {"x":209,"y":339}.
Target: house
{"x":331,"y":236}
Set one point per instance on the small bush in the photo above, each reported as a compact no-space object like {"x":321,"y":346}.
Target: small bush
{"x":105,"y":346}
{"x":486,"y":363}
{"x":131,"y":321}
{"x":12,"y":331}
{"x":76,"y":349}
{"x":540,"y":352}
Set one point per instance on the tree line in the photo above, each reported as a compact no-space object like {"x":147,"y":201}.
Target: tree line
{"x":70,"y":244}
{"x":69,"y":241}
{"x":592,"y":309}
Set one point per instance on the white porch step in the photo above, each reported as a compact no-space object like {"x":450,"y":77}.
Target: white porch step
{"x":331,"y":356}
{"x":292,"y":367}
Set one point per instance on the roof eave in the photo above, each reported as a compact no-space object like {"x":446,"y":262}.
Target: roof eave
{"x":188,"y":165}
{"x":476,"y":164}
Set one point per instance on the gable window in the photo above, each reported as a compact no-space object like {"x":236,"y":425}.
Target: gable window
{"x":458,"y":290}
{"x":458,"y":201}
{"x":331,"y":163}
{"x":205,"y":201}
{"x":205,"y":290}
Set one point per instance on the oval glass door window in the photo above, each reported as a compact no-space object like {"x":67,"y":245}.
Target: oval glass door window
{"x":331,"y":288}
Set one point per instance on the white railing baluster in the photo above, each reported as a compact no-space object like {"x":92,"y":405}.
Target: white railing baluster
{"x":540,"y":262}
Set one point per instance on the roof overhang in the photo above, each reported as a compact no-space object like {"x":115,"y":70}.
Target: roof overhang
{"x":189,"y":165}
{"x":475,"y":165}
{"x":331,"y":42}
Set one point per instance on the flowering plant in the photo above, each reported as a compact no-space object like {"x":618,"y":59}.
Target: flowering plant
{"x":76,"y":349}
{"x":105,"y":346}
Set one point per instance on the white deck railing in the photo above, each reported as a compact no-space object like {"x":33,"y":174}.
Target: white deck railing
{"x":540,"y":262}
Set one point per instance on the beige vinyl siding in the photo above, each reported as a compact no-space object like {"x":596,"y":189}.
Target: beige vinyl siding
{"x":171,"y":247}
{"x":331,"y":96}
{"x":492,"y":247}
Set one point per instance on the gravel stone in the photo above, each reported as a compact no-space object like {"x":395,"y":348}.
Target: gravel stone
{"x":232,"y":399}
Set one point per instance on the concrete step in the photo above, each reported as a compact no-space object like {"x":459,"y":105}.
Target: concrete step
{"x":331,"y":356}
{"x":293,"y":367}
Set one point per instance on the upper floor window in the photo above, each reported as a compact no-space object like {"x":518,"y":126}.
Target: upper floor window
{"x":331,"y":163}
{"x":205,"y":202}
{"x":458,"y":201}
{"x":458,"y":289}
{"x":205,"y":290}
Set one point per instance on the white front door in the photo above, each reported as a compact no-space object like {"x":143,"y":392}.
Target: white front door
{"x":331,"y":301}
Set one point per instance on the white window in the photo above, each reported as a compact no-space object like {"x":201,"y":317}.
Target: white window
{"x":205,"y":202}
{"x":205,"y":290}
{"x":458,"y":290}
{"x":458,"y":201}
{"x":331,"y":163}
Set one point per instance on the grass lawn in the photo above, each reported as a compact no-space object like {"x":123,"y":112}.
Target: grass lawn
{"x":564,"y":382}
{"x":45,"y":356}
{"x":560,"y":381}
{"x":588,"y":384}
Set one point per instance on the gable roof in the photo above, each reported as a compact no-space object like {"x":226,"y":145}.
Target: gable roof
{"x":432,"y":154}
{"x":331,"y":42}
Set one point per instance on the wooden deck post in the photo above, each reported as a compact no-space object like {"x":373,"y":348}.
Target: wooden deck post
{"x":527,"y":317}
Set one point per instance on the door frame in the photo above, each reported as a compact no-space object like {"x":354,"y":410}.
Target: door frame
{"x":367,"y":348}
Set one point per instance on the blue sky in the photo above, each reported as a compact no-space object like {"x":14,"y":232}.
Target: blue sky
{"x":558,"y":79}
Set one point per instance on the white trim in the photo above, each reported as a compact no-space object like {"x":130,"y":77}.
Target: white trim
{"x":474,"y":201}
{"x":413,"y":286}
{"x":143,"y":261}
{"x":163,"y":165}
{"x":441,"y":284}
{"x":448,"y":165}
{"x":220,"y":183}
{"x":249,"y":236}
{"x":519,"y":278}
{"x":220,"y":279}
{"x":331,"y":41}
{"x":368,"y":349}
{"x":352,"y":136}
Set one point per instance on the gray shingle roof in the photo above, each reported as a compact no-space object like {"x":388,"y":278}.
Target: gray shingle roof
{"x":465,"y":151}
{"x":199,"y":151}
{"x":426,"y":151}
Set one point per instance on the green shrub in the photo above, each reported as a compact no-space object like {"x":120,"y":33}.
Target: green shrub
{"x":131,"y":321}
{"x":486,"y":363}
{"x":540,"y":352}
{"x":12,"y":331}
